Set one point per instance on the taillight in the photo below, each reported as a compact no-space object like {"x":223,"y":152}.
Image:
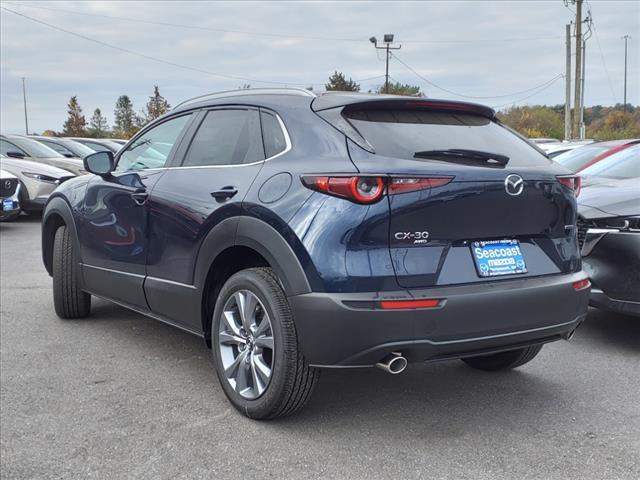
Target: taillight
{"x":356,"y":189}
{"x":367,"y":189}
{"x":404,"y":185}
{"x":572,"y":182}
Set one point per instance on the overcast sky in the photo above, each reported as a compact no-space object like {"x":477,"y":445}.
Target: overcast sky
{"x":474,"y":48}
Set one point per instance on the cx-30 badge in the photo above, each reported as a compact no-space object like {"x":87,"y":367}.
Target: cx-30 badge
{"x":514,"y":184}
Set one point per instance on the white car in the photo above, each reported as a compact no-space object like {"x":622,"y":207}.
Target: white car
{"x":9,"y":191}
{"x":37,"y":181}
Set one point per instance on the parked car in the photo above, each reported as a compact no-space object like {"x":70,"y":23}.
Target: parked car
{"x":37,"y":181}
{"x":16,"y":146}
{"x":64,"y":146}
{"x":119,"y":141}
{"x":553,"y":150}
{"x":579,"y":159}
{"x":9,"y":203}
{"x":609,"y":231}
{"x":295,"y":232}
{"x":98,"y":145}
{"x":542,"y":141}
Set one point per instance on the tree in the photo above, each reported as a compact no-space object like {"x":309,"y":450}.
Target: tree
{"x":98,"y":126}
{"x":157,"y":105}
{"x":124,"y":118}
{"x":337,"y":81}
{"x":398,"y":88}
{"x":75,"y":125}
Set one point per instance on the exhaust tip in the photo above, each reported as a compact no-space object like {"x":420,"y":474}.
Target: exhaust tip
{"x":394,"y":363}
{"x":570,"y":335}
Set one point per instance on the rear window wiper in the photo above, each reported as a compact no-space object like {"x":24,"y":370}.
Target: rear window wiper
{"x":462,"y":153}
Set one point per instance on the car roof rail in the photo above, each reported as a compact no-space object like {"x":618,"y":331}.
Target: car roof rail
{"x":302,"y":92}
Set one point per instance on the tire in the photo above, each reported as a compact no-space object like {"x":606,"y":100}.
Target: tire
{"x":291,"y":380}
{"x":69,"y":300}
{"x":504,"y":360}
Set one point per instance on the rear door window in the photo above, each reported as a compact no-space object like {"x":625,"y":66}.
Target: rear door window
{"x":227,"y":137}
{"x":402,"y":133}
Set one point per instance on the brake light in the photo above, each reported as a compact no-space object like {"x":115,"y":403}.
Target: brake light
{"x":572,"y":182}
{"x":357,"y":189}
{"x":409,"y":304}
{"x":581,"y":284}
{"x":369,"y":189}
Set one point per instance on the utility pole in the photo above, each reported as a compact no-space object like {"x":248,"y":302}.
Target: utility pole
{"x":625,"y":38}
{"x":578,"y":95}
{"x":388,"y":40}
{"x":24,"y":99}
{"x":567,"y":87}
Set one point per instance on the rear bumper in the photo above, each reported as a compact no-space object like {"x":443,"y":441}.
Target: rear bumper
{"x":347,"y":330}
{"x":600,"y":299}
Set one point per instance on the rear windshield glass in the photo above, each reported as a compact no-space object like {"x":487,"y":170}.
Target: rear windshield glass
{"x":402,"y":133}
{"x":576,"y":159}
{"x":623,"y":164}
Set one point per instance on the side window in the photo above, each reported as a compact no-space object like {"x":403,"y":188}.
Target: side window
{"x":10,"y":147}
{"x":227,"y":137}
{"x":57,"y":147}
{"x":272,"y":134}
{"x":152,"y":149}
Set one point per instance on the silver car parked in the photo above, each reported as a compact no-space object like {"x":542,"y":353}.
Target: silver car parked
{"x":37,"y":181}
{"x":16,"y":146}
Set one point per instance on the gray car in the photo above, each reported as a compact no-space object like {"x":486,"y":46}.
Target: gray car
{"x":16,"y":146}
{"x":98,"y":145}
{"x":64,"y":146}
{"x":37,"y":181}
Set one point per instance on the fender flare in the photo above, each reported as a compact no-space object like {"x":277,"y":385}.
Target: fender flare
{"x":259,"y":236}
{"x":56,"y":206}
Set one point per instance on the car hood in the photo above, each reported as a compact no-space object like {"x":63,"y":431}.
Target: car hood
{"x":605,"y":197}
{"x":17,"y":166}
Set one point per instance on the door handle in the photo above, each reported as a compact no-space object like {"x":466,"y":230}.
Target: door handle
{"x":224,"y":193}
{"x":140,"y":196}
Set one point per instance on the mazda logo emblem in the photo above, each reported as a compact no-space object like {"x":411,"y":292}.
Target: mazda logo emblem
{"x":514,"y":184}
{"x":7,"y":184}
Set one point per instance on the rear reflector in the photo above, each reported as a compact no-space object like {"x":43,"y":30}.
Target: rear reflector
{"x":581,"y":284}
{"x":408,"y":304}
{"x":572,"y":182}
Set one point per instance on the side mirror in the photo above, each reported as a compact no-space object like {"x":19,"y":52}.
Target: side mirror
{"x":100,"y":163}
{"x":14,"y":154}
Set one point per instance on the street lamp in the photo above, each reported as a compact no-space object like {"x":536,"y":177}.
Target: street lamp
{"x":387,"y":40}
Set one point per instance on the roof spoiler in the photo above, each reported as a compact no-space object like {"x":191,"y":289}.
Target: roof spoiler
{"x":326,"y":102}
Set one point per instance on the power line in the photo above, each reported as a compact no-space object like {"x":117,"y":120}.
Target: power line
{"x":545,"y":84}
{"x":602,"y":59}
{"x":149,"y":57}
{"x":528,"y":96}
{"x":281,"y":35}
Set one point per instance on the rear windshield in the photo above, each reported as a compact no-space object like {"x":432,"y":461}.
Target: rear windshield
{"x":402,"y":133}
{"x":576,"y":159}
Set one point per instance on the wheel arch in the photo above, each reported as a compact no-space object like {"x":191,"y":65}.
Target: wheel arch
{"x":244,"y":242}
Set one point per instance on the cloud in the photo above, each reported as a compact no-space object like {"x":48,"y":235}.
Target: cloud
{"x":469,"y":47}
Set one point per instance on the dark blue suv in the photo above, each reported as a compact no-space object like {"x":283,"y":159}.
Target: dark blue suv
{"x":295,"y":232}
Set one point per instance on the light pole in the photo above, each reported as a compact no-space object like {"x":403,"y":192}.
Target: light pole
{"x":388,"y":40}
{"x":625,"y":38}
{"x":24,"y":100}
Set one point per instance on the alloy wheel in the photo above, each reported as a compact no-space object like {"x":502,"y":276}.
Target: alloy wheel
{"x":245,"y":343}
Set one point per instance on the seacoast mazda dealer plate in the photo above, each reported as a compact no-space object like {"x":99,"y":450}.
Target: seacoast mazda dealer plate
{"x":498,"y":257}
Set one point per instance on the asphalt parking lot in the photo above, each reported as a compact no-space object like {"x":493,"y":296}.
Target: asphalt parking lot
{"x":119,"y":395}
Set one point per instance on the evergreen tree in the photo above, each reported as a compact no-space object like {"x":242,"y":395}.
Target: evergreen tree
{"x":398,"y":88}
{"x":98,"y":126}
{"x":157,"y":106}
{"x":337,"y":81}
{"x":124,"y":118}
{"x":75,"y":125}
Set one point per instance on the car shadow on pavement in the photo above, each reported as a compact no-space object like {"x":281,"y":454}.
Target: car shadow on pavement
{"x":612,"y":330}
